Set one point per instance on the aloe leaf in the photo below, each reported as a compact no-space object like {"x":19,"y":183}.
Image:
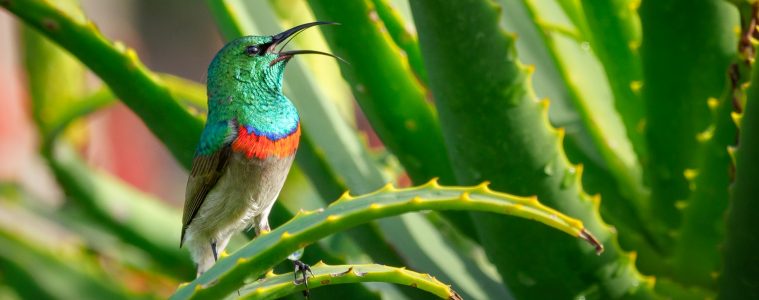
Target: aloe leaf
{"x":275,"y":286}
{"x":616,"y":209}
{"x":589,"y":92}
{"x":119,"y":67}
{"x":524,"y":156}
{"x":530,"y":44}
{"x":701,"y":232}
{"x":741,"y":270}
{"x":261,"y":253}
{"x":393,"y":22}
{"x":615,"y":35}
{"x":677,"y":82}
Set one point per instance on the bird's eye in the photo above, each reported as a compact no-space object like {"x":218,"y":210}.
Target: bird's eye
{"x":251,"y":50}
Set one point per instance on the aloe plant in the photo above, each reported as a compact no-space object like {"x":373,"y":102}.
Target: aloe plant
{"x":518,"y":144}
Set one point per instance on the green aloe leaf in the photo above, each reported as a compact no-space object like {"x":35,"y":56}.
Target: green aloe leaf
{"x":263,"y":252}
{"x":681,"y":72}
{"x":590,"y":94}
{"x":741,"y":270}
{"x":615,"y":37}
{"x":396,"y":28}
{"x":524,"y":156}
{"x":701,"y":232}
{"x":276,"y":286}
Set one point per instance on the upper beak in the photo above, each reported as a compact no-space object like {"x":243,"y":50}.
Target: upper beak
{"x":283,"y":37}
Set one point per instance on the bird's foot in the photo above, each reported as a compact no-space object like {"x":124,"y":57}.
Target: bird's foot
{"x":305,"y":270}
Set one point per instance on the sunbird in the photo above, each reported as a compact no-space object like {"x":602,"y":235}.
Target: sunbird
{"x":247,"y":146}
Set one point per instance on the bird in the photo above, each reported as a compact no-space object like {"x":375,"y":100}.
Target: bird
{"x":247,"y":146}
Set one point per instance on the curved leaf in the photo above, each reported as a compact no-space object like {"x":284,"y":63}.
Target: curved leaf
{"x":590,"y":93}
{"x":276,"y":286}
{"x":615,"y":32}
{"x":263,"y":252}
{"x":398,"y":31}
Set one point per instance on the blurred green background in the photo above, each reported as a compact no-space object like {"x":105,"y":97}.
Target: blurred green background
{"x":649,"y":139}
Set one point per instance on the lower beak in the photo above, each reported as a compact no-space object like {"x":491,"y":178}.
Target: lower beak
{"x":292,"y":32}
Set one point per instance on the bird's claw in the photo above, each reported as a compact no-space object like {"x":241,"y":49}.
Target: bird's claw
{"x":304,"y":269}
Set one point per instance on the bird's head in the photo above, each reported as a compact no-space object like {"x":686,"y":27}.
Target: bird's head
{"x":257,"y":61}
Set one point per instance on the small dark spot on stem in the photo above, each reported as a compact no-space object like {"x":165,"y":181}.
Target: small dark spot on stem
{"x":324,"y":282}
{"x":413,"y":285}
{"x":50,"y":24}
{"x":341,"y":273}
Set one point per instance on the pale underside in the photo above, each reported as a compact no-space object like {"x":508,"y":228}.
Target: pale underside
{"x":241,"y":198}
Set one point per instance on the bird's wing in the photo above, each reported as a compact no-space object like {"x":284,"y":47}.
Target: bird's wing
{"x":207,"y":168}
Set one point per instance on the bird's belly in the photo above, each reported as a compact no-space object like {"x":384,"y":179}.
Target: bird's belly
{"x":248,"y":188}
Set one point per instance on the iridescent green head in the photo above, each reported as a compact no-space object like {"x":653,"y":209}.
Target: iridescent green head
{"x":245,"y":86}
{"x":253,"y":62}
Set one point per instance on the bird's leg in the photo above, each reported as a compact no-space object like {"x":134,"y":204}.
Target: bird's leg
{"x":262,"y":228}
{"x":305,"y":270}
{"x":213,"y":249}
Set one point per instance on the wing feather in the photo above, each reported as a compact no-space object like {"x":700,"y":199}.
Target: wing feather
{"x":205,"y":173}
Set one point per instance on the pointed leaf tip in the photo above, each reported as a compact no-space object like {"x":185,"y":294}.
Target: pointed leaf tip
{"x":586,"y":235}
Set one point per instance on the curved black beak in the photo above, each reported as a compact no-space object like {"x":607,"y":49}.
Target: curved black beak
{"x":287,"y":35}
{"x":279,"y":37}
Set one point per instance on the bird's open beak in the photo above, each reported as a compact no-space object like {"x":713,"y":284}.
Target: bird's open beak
{"x":284,"y":37}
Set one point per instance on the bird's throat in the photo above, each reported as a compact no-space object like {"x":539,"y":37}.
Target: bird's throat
{"x":261,"y":146}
